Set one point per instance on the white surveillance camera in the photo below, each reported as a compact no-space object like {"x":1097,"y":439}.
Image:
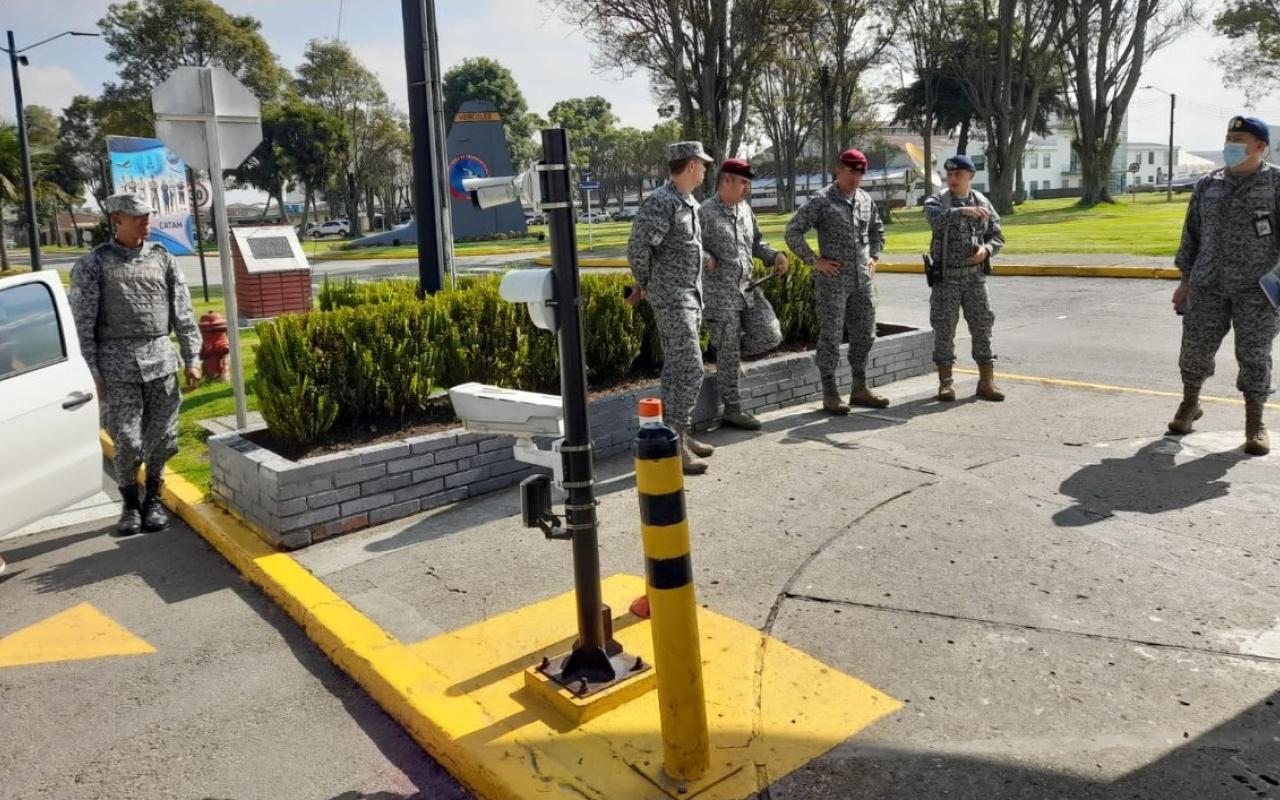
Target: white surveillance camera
{"x":535,"y":288}
{"x":490,"y":192}
{"x":507,"y":412}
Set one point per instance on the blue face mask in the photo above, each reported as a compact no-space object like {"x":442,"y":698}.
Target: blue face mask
{"x":1235,"y":154}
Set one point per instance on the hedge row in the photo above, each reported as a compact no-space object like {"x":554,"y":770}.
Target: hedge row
{"x":375,"y":352}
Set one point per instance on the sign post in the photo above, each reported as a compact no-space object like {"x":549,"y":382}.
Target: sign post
{"x":210,"y":119}
{"x":589,"y":185}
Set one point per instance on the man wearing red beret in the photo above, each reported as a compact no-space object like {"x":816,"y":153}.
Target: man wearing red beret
{"x":740,"y":318}
{"x":851,"y":238}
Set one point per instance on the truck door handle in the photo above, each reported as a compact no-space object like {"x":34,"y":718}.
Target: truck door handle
{"x":76,"y":399}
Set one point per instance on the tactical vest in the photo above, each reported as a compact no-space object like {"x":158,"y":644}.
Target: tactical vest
{"x":134,"y":296}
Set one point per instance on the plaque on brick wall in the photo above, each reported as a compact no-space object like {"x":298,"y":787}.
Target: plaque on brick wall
{"x":272,"y":248}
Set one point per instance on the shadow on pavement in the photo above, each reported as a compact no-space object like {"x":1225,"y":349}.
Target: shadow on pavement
{"x":1238,"y":759}
{"x":1150,"y":481}
{"x":177,"y":565}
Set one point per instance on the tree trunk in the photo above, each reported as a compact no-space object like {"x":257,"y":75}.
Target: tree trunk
{"x":962,"y":146}
{"x":75,"y":226}
{"x":353,"y":204}
{"x":4,"y":248}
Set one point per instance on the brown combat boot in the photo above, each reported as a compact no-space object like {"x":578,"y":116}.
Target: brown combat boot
{"x":1188,"y":411}
{"x":987,"y":383}
{"x":946,"y":386}
{"x":699,"y":449}
{"x":734,"y":416}
{"x":689,"y":461}
{"x":860,"y":395}
{"x":831,"y":402}
{"x":1256,"y":440}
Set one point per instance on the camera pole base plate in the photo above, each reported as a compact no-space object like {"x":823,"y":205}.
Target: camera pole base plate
{"x":582,"y":700}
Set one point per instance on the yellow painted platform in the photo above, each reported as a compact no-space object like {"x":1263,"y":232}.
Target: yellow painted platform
{"x":771,"y":707}
{"x":81,"y":632}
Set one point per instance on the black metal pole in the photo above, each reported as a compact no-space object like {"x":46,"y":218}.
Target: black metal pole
{"x":416,"y":14}
{"x":195,"y":212}
{"x":589,"y":658}
{"x":1173,"y":102}
{"x":28,"y":184}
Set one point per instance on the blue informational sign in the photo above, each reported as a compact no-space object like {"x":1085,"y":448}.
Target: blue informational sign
{"x":147,"y":168}
{"x":589,"y":185}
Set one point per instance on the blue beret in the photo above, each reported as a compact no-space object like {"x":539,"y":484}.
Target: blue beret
{"x":959,"y":161}
{"x":1251,"y":125}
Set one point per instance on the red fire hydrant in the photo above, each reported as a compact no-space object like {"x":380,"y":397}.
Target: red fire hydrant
{"x":215,"y":347}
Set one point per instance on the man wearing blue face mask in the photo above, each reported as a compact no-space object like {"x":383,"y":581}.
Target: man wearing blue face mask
{"x":1229,"y":241}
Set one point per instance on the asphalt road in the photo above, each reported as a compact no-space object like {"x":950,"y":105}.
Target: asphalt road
{"x":234,"y":704}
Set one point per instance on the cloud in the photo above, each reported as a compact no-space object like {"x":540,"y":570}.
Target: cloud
{"x":52,"y":87}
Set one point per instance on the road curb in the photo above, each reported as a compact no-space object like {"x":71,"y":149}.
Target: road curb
{"x":400,"y":682}
{"x":1001,"y":270}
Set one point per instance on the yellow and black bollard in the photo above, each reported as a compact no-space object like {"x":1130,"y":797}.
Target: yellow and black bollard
{"x":674,"y":609}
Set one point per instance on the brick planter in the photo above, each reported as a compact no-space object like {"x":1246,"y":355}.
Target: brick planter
{"x":295,"y":503}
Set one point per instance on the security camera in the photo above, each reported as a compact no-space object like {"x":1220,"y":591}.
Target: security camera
{"x":490,"y":192}
{"x":511,"y":412}
{"x":535,"y":288}
{"x":507,"y":412}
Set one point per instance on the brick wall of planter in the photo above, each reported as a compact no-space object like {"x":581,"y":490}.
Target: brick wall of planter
{"x":293,"y":504}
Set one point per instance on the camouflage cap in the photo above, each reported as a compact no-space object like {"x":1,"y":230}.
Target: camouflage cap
{"x":679,"y":151}
{"x":130,"y":204}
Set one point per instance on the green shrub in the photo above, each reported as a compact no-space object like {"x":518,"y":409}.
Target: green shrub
{"x":374,"y":351}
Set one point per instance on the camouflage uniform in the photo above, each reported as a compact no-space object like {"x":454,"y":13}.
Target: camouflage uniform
{"x":1230,"y":239}
{"x":741,"y":319}
{"x":956,"y":237}
{"x":666,"y":256}
{"x":125,"y":301}
{"x":850,"y":232}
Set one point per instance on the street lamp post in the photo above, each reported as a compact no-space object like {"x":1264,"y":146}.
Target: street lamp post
{"x":1173,"y":103}
{"x":28,"y":181}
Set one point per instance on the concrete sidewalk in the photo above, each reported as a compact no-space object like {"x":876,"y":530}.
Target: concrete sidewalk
{"x":1068,"y":604}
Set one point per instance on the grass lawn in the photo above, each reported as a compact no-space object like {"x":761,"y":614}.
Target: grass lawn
{"x":1148,"y":226}
{"x":210,"y":400}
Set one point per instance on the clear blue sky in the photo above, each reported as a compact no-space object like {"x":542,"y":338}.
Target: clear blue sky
{"x":551,"y":60}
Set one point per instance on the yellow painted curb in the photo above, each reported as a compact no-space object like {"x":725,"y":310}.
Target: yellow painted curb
{"x":1104,"y":387}
{"x":402,"y":683}
{"x":1001,"y":270}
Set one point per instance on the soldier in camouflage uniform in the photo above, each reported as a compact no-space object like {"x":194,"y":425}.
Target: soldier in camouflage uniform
{"x":966,"y":236}
{"x":851,"y":238}
{"x":126,"y":297}
{"x":1229,"y":241}
{"x":666,"y":257}
{"x":740,"y":318}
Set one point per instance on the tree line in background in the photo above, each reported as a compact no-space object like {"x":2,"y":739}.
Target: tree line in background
{"x":792,"y":81}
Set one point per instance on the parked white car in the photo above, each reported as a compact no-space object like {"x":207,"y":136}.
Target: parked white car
{"x":334,"y":227}
{"x":48,"y":408}
{"x":594,"y":216}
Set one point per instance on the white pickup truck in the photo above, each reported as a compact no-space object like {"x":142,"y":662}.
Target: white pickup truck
{"x":50,"y":456}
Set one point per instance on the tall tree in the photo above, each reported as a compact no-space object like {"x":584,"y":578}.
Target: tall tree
{"x":81,"y":138}
{"x":703,"y":55}
{"x":482,"y":78}
{"x":317,"y":143}
{"x":333,"y":78}
{"x":590,"y":122}
{"x":1254,"y":28}
{"x":785,"y":101}
{"x":151,"y":38}
{"x":849,"y":37}
{"x":1108,"y":43}
{"x":927,"y":30}
{"x":1007,"y":64}
{"x":10,"y":180}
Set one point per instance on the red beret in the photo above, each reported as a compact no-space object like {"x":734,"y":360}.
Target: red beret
{"x":853,"y":159}
{"x":737,"y":166}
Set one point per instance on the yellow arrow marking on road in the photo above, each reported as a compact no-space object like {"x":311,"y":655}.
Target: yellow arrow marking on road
{"x":81,"y":632}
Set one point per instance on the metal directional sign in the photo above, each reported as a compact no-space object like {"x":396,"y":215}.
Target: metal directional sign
{"x":589,"y":185}
{"x":213,"y":121}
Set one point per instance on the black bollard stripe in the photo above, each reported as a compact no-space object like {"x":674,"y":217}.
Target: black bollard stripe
{"x":669,"y":573}
{"x":662,"y":509}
